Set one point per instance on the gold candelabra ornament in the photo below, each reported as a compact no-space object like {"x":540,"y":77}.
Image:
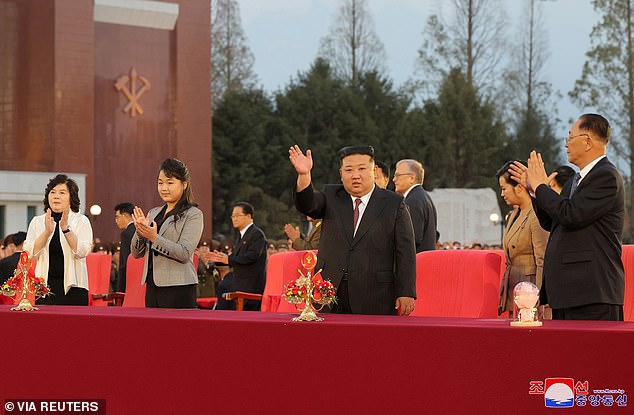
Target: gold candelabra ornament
{"x":309,"y":289}
{"x":21,"y":282}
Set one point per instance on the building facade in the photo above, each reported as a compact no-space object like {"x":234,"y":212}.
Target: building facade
{"x":103,"y":90}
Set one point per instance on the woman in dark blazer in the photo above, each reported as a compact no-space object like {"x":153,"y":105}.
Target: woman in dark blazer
{"x":167,"y":237}
{"x":524,"y":242}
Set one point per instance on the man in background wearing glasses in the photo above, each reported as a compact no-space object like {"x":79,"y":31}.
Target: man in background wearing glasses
{"x":248,"y":258}
{"x":408,"y":182}
{"x":583,"y":272}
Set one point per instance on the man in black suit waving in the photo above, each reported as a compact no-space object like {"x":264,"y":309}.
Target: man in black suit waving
{"x":408,"y":182}
{"x":248,"y":258}
{"x":583,"y":273}
{"x":367,"y":240}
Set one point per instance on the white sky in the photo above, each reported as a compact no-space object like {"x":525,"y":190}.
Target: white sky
{"x":284,"y":37}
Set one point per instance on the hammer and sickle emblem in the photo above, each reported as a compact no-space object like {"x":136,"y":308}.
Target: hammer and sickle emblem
{"x":132,"y":93}
{"x":308,"y":260}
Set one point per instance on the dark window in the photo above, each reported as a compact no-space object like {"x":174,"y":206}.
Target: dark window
{"x":2,"y":217}
{"x":30,"y":214}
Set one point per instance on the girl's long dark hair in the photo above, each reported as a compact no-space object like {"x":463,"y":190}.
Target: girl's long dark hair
{"x":174,"y":168}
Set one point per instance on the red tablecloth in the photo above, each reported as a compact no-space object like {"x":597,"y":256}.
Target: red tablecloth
{"x":144,"y":361}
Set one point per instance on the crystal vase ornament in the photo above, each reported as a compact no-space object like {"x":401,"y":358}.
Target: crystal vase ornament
{"x":526,"y":296}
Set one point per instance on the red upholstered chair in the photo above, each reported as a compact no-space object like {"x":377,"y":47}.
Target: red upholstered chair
{"x":457,"y":283}
{"x":281,"y":274}
{"x":503,"y":259}
{"x":269,"y":303}
{"x":281,"y":268}
{"x":273,"y":288}
{"x":98,"y":278}
{"x":291,"y":264}
{"x":206,"y":302}
{"x":134,"y":295}
{"x":628,"y":264}
{"x":134,"y":291}
{"x":502,"y":270}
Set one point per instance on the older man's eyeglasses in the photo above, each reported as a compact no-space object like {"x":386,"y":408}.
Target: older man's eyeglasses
{"x":397,"y":175}
{"x":570,"y":137}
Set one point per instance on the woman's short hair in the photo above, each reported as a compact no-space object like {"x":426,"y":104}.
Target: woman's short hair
{"x":504,"y":172}
{"x":73,"y":190}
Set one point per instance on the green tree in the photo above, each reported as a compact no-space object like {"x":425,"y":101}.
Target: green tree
{"x":231,"y":58}
{"x":248,"y":159}
{"x":324,"y":113}
{"x":465,"y":139}
{"x":473,"y":41}
{"x":352,"y":46}
{"x":309,"y":108}
{"x":607,"y":79}
{"x":387,"y":108}
{"x":526,"y":97}
{"x":317,"y":110}
{"x":533,"y":130}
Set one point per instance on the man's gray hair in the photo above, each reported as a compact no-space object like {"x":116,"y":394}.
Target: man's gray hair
{"x":414,"y":167}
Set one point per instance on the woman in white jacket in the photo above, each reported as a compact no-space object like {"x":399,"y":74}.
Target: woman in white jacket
{"x":60,"y":239}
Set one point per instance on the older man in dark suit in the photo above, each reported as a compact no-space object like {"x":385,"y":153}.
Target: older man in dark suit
{"x":248,"y":258}
{"x":583,"y":275}
{"x":367,"y":241}
{"x":408,"y":182}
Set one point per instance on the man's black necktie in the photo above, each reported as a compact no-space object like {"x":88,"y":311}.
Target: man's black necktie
{"x":575,"y":183}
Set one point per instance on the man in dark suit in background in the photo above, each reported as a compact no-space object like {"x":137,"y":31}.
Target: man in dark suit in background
{"x":123,"y":218}
{"x":381,"y":174}
{"x":583,"y":275}
{"x":10,"y":263}
{"x":227,"y":284}
{"x":367,"y":241}
{"x":248,"y":258}
{"x":408,"y":182}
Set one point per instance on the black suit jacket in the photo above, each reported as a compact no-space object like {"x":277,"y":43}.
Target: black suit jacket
{"x":126,"y":239}
{"x":8,"y":266}
{"x":423,"y":213}
{"x":248,"y":260}
{"x":582,"y":264}
{"x":379,"y":261}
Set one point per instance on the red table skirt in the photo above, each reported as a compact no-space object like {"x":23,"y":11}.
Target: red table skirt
{"x":144,"y":361}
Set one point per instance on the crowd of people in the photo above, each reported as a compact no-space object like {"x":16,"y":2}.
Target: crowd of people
{"x":563,"y":234}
